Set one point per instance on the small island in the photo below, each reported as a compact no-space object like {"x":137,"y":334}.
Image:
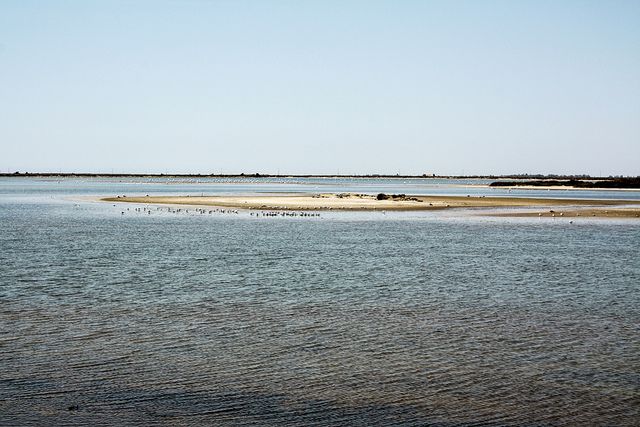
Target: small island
{"x":398,"y":202}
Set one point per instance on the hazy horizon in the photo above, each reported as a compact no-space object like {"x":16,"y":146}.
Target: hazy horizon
{"x":410,"y":88}
{"x":283,"y":174}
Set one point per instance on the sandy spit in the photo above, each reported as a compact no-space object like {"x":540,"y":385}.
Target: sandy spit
{"x":362,"y":202}
{"x":610,"y":212}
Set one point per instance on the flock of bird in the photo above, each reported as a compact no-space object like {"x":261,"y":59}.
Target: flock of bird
{"x":199,"y":211}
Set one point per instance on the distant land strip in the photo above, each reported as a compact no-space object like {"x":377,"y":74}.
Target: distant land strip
{"x":574,"y":183}
{"x":578,"y":181}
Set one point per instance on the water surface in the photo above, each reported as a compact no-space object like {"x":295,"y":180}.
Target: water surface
{"x":346,"y":319}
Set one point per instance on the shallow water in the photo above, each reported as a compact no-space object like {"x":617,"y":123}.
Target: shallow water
{"x":346,"y":319}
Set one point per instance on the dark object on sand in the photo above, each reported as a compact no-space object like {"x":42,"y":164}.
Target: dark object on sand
{"x":397,"y":197}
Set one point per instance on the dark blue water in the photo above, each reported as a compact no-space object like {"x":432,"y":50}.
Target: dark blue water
{"x":346,"y":319}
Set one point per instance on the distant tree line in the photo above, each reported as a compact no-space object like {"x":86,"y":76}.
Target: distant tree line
{"x":530,"y":178}
{"x":612,"y":182}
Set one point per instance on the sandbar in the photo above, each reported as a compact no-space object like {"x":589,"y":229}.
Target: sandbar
{"x":610,"y":212}
{"x":366,"y":202}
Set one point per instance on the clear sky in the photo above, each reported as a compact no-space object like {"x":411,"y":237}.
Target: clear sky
{"x":410,"y":87}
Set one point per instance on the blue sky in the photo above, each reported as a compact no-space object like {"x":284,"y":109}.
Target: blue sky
{"x":451,"y":87}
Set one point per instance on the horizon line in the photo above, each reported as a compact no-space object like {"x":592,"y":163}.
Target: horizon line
{"x":296,"y":175}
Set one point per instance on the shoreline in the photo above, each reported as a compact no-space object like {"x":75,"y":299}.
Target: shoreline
{"x":550,"y":188}
{"x":363,"y":202}
{"x":614,"y":213}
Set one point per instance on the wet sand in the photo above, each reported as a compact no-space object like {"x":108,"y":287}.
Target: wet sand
{"x":362,"y":202}
{"x":610,"y":212}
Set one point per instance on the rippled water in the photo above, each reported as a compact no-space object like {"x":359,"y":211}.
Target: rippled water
{"x":346,"y":319}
